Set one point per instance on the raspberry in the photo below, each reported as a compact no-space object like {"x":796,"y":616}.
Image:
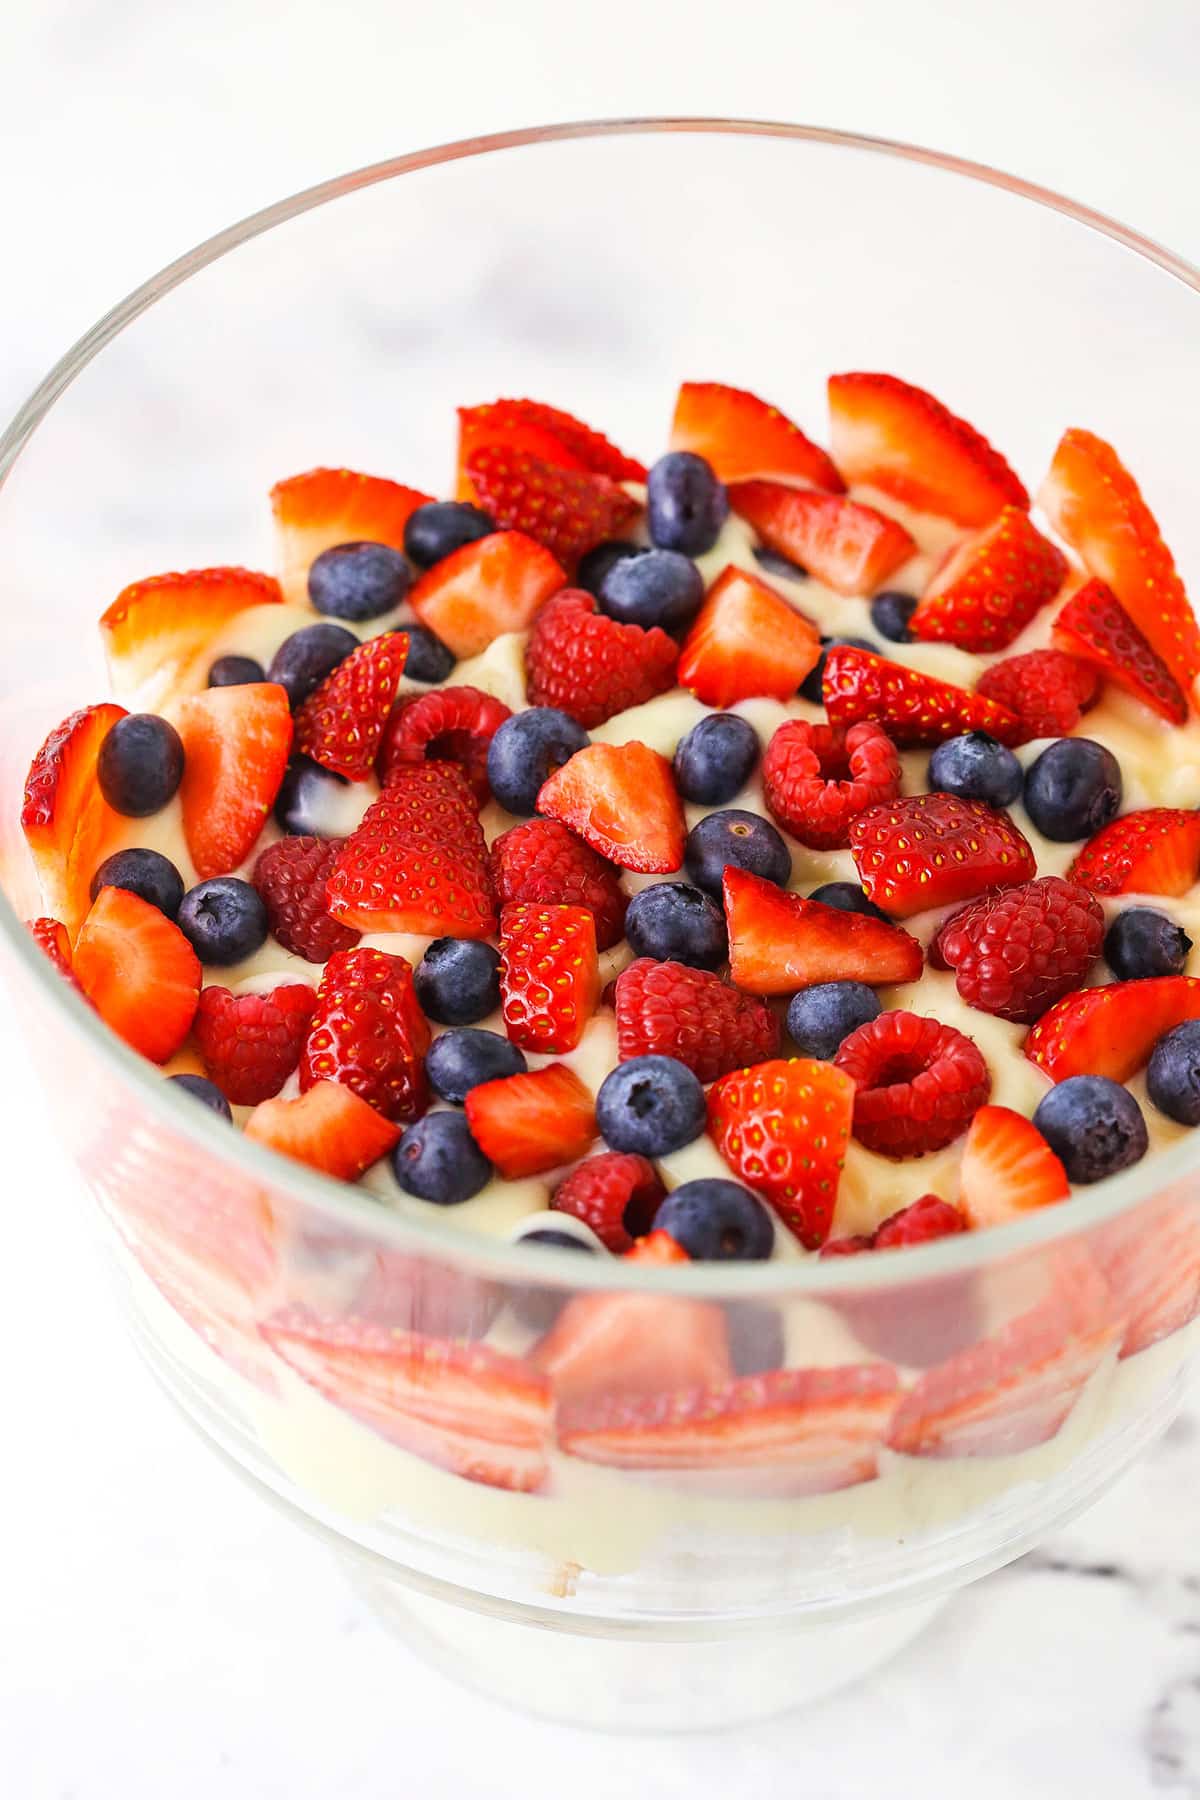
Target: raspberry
{"x":453,"y":724}
{"x":290,"y":877}
{"x":816,"y":778}
{"x":671,"y":1009}
{"x":369,"y":1033}
{"x":544,"y":864}
{"x":919,"y":1083}
{"x":251,"y":1042}
{"x":590,"y":666}
{"x":926,"y":1219}
{"x":1015,"y":953}
{"x":1048,"y":690}
{"x":616,"y":1193}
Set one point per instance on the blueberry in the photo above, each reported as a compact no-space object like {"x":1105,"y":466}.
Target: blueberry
{"x":223,"y":920}
{"x":890,"y":614}
{"x":458,"y":980}
{"x":676,"y":923}
{"x":1142,"y":942}
{"x":1093,"y":1125}
{"x":650,"y":1105}
{"x":461,"y":1059}
{"x":1173,"y":1077}
{"x":847,"y":896}
{"x":303,"y":660}
{"x":358,"y":581}
{"x":595,"y":563}
{"x":525,"y":752}
{"x":775,"y":563}
{"x":717,"y":1221}
{"x":686,"y":505}
{"x":1073,"y":789}
{"x":756,"y":1337}
{"x":716,"y":758}
{"x":441,"y":527}
{"x":561,"y":1240}
{"x":656,"y":587}
{"x":207,"y":1092}
{"x":140,"y":765}
{"x":976,"y":767}
{"x":303,"y":800}
{"x":235,"y":671}
{"x":428,"y":658}
{"x":810,"y":687}
{"x":820,"y":1017}
{"x":144,"y":872}
{"x":437,"y":1159}
{"x":740,"y":838}
{"x":538,"y":1307}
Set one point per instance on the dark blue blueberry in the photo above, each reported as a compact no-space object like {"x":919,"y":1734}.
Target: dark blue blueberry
{"x":686,"y":505}
{"x":775,"y":563}
{"x":303,"y":660}
{"x":437,"y":1159}
{"x":819,"y":1018}
{"x":461,"y":1059}
{"x":303,"y":798}
{"x":716,"y":758}
{"x":1141,"y":942}
{"x":650,"y":1105}
{"x":235,"y":671}
{"x":428,"y":658}
{"x":358,"y":580}
{"x":207,"y":1092}
{"x":1173,"y":1077}
{"x":717,"y":1221}
{"x":847,"y":896}
{"x":561,"y":1240}
{"x":676,"y":923}
{"x":656,"y":587}
{"x":458,"y":980}
{"x":525,"y":752}
{"x":1094,"y":1126}
{"x":441,"y":527}
{"x":737,"y":837}
{"x":890,"y":614}
{"x":140,"y":765}
{"x":1073,"y":789}
{"x":594,"y":564}
{"x":144,"y":872}
{"x":223,"y":920}
{"x":538,"y":1307}
{"x":810,"y":687}
{"x":756,"y":1337}
{"x":976,"y":767}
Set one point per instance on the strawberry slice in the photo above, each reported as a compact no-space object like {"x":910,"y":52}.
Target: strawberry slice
{"x":1008,"y":1169}
{"x":1094,"y":625}
{"x":68,"y":824}
{"x":324,"y":507}
{"x":545,"y":431}
{"x":745,"y":641}
{"x":783,"y":1128}
{"x":329,"y":1128}
{"x":474,"y":1411}
{"x":779,"y":942}
{"x":51,"y":939}
{"x":1156,"y":851}
{"x":236,"y":742}
{"x":568,"y":511}
{"x":342,"y":722}
{"x":1092,"y":501}
{"x":1111,"y":1030}
{"x":851,"y":548}
{"x":988,"y":590}
{"x":549,"y":975}
{"x":163,"y":627}
{"x":620,"y":799}
{"x":935,"y":849}
{"x":916,"y":710}
{"x":369,"y":1032}
{"x":485,"y":589}
{"x":902,"y":441}
{"x":1152,"y":1264}
{"x":418,"y":861}
{"x":742,"y":438}
{"x":139,"y":972}
{"x":526,"y":1124}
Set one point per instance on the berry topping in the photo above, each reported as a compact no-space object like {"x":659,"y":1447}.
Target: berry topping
{"x":1173,"y":1074}
{"x":308,"y":800}
{"x":615,"y":1194}
{"x":485,"y":589}
{"x":455,"y":724}
{"x":1094,"y":1126}
{"x":1008,"y":1169}
{"x":739,"y":840}
{"x":161,"y":630}
{"x":526,"y":1124}
{"x":779,"y":942}
{"x":358,"y":581}
{"x":438,"y":1160}
{"x":821,"y":1018}
{"x":51,"y":938}
{"x":934,"y":849}
{"x":1111,"y":1030}
{"x":329,"y":1128}
{"x":589,"y":666}
{"x":746,"y":641}
{"x":742,"y":438}
{"x":441,"y":527}
{"x":236,"y":742}
{"x":462,"y":1059}
{"x":989,"y":588}
{"x":976,"y":767}
{"x":914,"y":709}
{"x":1156,"y":851}
{"x":716,"y":759}
{"x":324,"y":507}
{"x":418,"y":861}
{"x":67,"y":822}
{"x":548,"y":431}
{"x":650,"y":1105}
{"x":677,"y":923}
{"x":1016,"y":952}
{"x":926,"y":1220}
{"x":620,"y":799}
{"x":369,"y":1033}
{"x":568,"y":511}
{"x":1095,"y":626}
{"x":851,"y":548}
{"x":304,"y":659}
{"x":140,"y":765}
{"x":543,"y":863}
{"x":224,"y":920}
{"x":290,"y":878}
{"x":1048,"y":691}
{"x":524,"y":752}
{"x":717,"y":1221}
{"x":686,"y":504}
{"x":428,"y":659}
{"x":139,"y":972}
{"x":812,"y":688}
{"x":783,"y":1128}
{"x":549,"y":975}
{"x":235,"y":671}
{"x":652,"y":587}
{"x":251,"y":1042}
{"x":670,"y":1009}
{"x":206,"y":1092}
{"x":1142,"y":942}
{"x":144,"y":872}
{"x":891,"y":615}
{"x":594,"y":566}
{"x":816,"y":778}
{"x":458,"y":981}
{"x":919,"y":1083}
{"x":341,"y":724}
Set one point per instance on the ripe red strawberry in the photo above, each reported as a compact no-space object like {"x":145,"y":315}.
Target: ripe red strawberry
{"x":1111,"y":1030}
{"x":783,"y":1128}
{"x":742,"y":438}
{"x":546,"y":431}
{"x":919,"y":1083}
{"x":934,"y":849}
{"x":389,"y":978}
{"x":926,"y":1220}
{"x":139,"y":972}
{"x":567,"y":510}
{"x":989,"y":588}
{"x":290,"y":877}
{"x":68,"y":824}
{"x":1094,"y":625}
{"x":51,"y":938}
{"x":591,"y":666}
{"x":902,"y":441}
{"x":329,"y":1128}
{"x":916,"y":711}
{"x":236,"y":742}
{"x":1092,"y":501}
{"x":324,"y":507}
{"x":1047,"y":690}
{"x":369,"y":1033}
{"x":418,"y":861}
{"x":780,"y":942}
{"x":615,"y":1193}
{"x":164,"y":627}
{"x":1008,"y":1169}
{"x":851,"y":548}
{"x":342,"y":722}
{"x":251,"y":1042}
{"x":452,"y":724}
{"x":816,"y":778}
{"x":1017,"y":951}
{"x":526,"y":1124}
{"x":669,"y":1009}
{"x":485,"y":589}
{"x":549,"y":975}
{"x":542,"y":863}
{"x":620,"y":799}
{"x":1155,"y":851}
{"x":745,"y":641}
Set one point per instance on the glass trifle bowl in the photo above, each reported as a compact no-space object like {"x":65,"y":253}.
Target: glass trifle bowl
{"x":370,"y":1370}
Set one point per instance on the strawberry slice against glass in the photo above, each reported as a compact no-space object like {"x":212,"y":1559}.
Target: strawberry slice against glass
{"x":746,"y":641}
{"x":780,"y":942}
{"x":742,"y":438}
{"x":1152,"y":1263}
{"x":236,"y":742}
{"x":851,"y":548}
{"x":163,"y":627}
{"x":492,"y":586}
{"x":324,"y":507}
{"x":68,"y":824}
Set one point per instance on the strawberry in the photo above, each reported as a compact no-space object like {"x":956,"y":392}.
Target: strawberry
{"x":341,"y":724}
{"x":164,"y":627}
{"x":591,"y":666}
{"x":549,"y":975}
{"x":290,"y":877}
{"x":783,"y":1128}
{"x":779,"y":942}
{"x":51,"y":938}
{"x":902,"y":441}
{"x":1093,"y":501}
{"x":916,"y":711}
{"x":990,"y":587}
{"x":742,"y":438}
{"x":567,"y":510}
{"x":1016,"y":952}
{"x":236,"y":742}
{"x":1151,"y":1260}
{"x":923,"y":1222}
{"x":485,"y":589}
{"x":418,"y":861}
{"x":329,"y":1128}
{"x":526,"y":1124}
{"x":1048,"y":690}
{"x":918,"y":1083}
{"x":816,"y":778}
{"x":1094,"y":625}
{"x":313,"y":512}
{"x":670,"y":1009}
{"x":1156,"y":851}
{"x":935,"y":849}
{"x":745,"y":641}
{"x":389,"y":978}
{"x":68,"y":824}
{"x":617,"y":1194}
{"x":139,"y":972}
{"x":542,"y":863}
{"x":1111,"y":1030}
{"x":453,"y":724}
{"x":546,"y":431}
{"x":369,"y":1033}
{"x":1008,"y":1169}
{"x":620,"y":799}
{"x":251,"y":1042}
{"x":851,"y":548}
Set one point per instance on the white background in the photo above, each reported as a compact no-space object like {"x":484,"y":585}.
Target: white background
{"x":161,"y":1634}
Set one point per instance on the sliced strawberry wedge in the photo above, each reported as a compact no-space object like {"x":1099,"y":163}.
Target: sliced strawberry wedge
{"x":620,"y":799}
{"x":549,"y":975}
{"x":742,"y":438}
{"x":526,"y":1124}
{"x":567,"y":510}
{"x":164,"y":626}
{"x":746,"y":641}
{"x":930,"y":850}
{"x":139,"y":972}
{"x":1152,"y":1263}
{"x":783,"y":1128}
{"x":916,"y":710}
{"x":341,"y":724}
{"x":1155,"y":851}
{"x":51,"y":938}
{"x":851,"y":548}
{"x":779,"y":942}
{"x":236,"y":742}
{"x":1008,"y":1169}
{"x":68,"y":824}
{"x":1111,"y":1030}
{"x":418,"y":861}
{"x":546,"y":431}
{"x":485,"y":589}
{"x":1095,"y":626}
{"x":324,"y":507}
{"x":328,"y":1128}
{"x":989,"y":589}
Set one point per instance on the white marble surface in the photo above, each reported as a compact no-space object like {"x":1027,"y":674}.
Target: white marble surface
{"x":162,"y":1632}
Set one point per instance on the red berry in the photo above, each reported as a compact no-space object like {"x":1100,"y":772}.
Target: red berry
{"x":452,"y":724}
{"x":934,"y":849}
{"x":590,"y":666}
{"x":916,"y":710}
{"x":1047,"y":689}
{"x":782,"y":1128}
{"x":541,"y":862}
{"x":290,"y":877}
{"x":989,"y":588}
{"x":563,"y":439}
{"x":251,"y":1042}
{"x":567,"y":510}
{"x":616,"y":1194}
{"x":1155,"y":851}
{"x":816,"y":778}
{"x":1095,"y":626}
{"x":549,"y":976}
{"x":921,"y":1223}
{"x":670,"y":1009}
{"x":622,"y":800}
{"x":51,"y":937}
{"x":1016,"y":952}
{"x":418,"y":861}
{"x":369,"y":1034}
{"x":341,"y":723}
{"x":919,"y":1083}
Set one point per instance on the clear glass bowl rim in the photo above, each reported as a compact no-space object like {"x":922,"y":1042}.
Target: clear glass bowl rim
{"x":349,"y":1205}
